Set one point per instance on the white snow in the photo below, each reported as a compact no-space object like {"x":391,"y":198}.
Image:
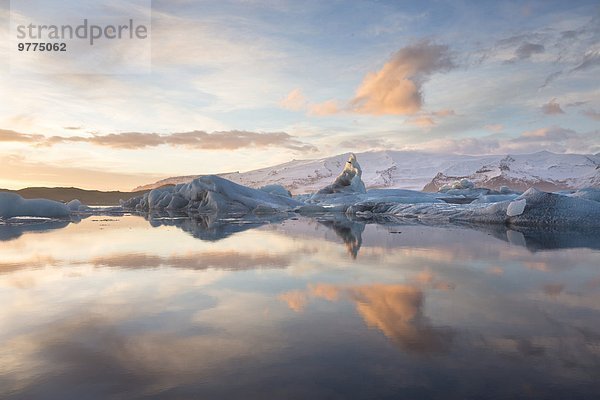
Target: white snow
{"x":543,"y":169}
{"x":13,"y":205}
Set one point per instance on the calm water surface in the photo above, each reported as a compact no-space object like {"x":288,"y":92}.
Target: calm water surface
{"x":120,"y":308}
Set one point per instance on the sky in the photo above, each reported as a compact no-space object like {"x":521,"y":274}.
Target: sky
{"x":240,"y":85}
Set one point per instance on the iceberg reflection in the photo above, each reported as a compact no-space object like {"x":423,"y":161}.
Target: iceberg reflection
{"x":15,"y":227}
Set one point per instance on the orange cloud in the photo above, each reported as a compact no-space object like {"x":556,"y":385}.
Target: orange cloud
{"x":7,"y":135}
{"x":328,"y":107}
{"x":447,"y":112}
{"x":428,"y":278}
{"x":429,"y":119}
{"x":422,"y":122}
{"x":294,"y":101}
{"x":397,"y":87}
{"x":325,"y":291}
{"x":296,"y":300}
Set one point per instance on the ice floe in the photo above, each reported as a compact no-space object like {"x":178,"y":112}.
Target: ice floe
{"x":13,"y":205}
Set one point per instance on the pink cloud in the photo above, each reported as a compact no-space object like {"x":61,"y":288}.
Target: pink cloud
{"x":396,"y":88}
{"x":294,"y":101}
{"x":328,"y":107}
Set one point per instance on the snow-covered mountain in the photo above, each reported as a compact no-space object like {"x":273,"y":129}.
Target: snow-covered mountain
{"x":543,"y":170}
{"x":427,"y":171}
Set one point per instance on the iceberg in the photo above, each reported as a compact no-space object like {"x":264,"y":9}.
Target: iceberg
{"x":348,"y":181}
{"x":212,"y":194}
{"x":588,"y":194}
{"x":13,"y":205}
{"x":532,"y":208}
{"x":349,"y":189}
{"x":551,"y":209}
{"x":77,"y":206}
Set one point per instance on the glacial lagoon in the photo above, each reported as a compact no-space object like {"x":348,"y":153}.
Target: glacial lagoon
{"x":171,"y":306}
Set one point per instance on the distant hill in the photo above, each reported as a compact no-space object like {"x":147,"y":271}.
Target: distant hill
{"x":89,"y":197}
{"x":426,"y":171}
